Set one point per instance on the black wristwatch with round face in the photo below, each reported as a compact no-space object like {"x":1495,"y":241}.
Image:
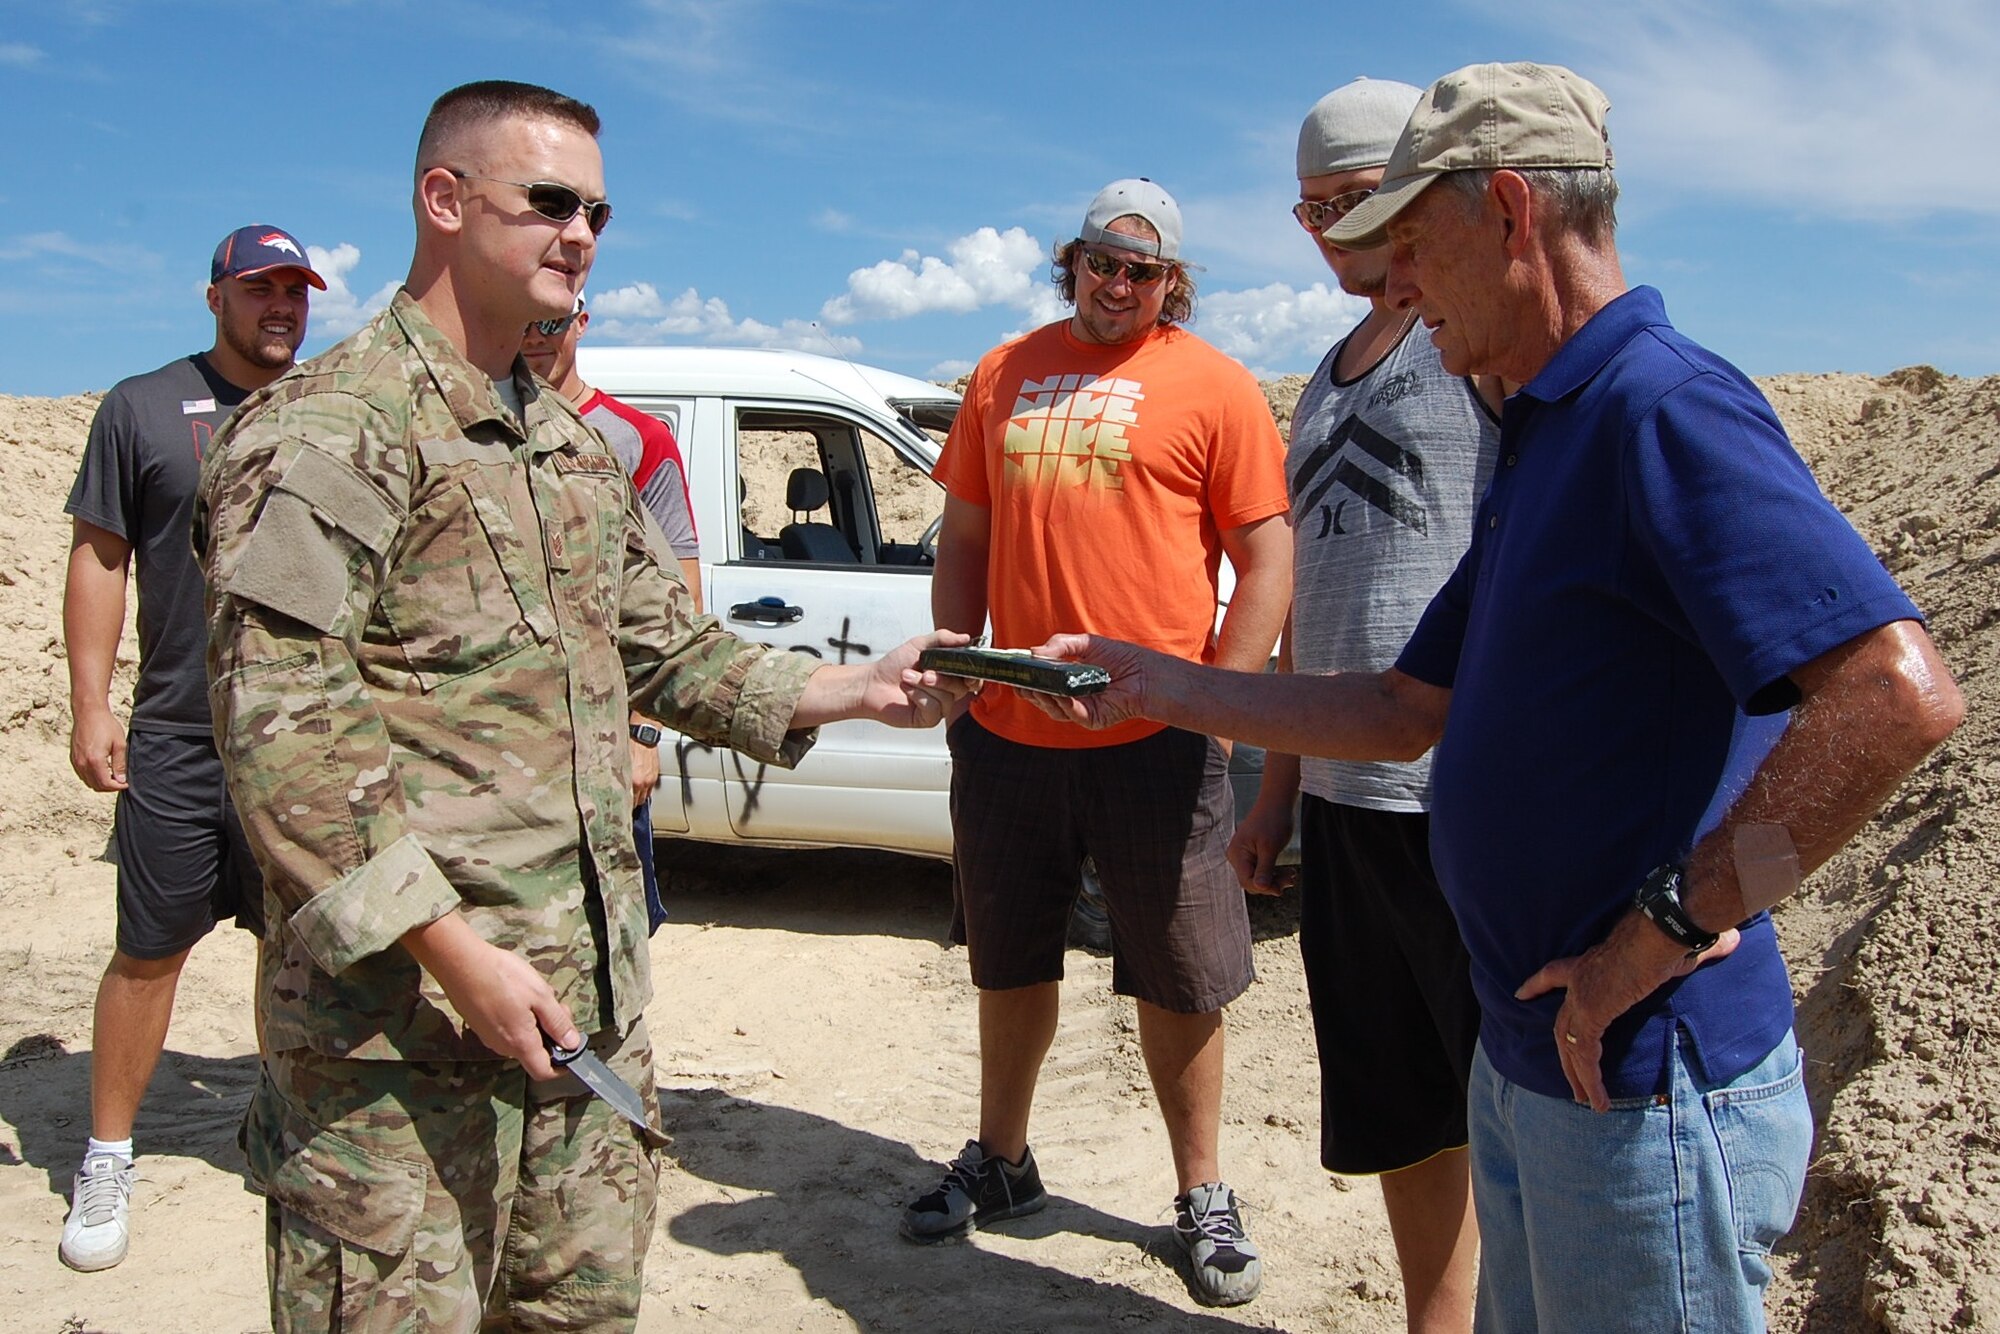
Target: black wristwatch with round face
{"x":646,"y":734}
{"x":1659,"y":898}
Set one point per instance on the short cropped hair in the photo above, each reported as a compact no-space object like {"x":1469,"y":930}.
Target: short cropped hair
{"x":1178,"y":307}
{"x":487,"y":101}
{"x":1585,"y":199}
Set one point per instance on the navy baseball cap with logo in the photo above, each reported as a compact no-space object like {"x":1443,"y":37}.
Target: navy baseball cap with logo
{"x":259,"y":249}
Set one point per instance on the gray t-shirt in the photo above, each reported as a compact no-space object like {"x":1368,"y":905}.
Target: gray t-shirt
{"x":137,"y":479}
{"x":1384,"y":472}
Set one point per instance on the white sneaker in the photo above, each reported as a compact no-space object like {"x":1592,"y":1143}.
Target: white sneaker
{"x":96,"y":1231}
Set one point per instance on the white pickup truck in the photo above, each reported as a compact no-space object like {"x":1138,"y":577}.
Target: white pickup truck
{"x":810,"y":480}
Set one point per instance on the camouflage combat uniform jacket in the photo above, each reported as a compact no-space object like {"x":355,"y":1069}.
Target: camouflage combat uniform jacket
{"x":427,"y":618}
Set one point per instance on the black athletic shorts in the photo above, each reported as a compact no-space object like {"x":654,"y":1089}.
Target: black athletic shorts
{"x":1391,"y":988}
{"x":183,"y":863}
{"x":1154,"y":814}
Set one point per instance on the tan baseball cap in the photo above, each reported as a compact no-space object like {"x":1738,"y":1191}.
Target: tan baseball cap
{"x":1478,"y":118}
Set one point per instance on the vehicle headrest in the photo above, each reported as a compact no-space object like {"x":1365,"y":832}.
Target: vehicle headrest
{"x":806,"y":489}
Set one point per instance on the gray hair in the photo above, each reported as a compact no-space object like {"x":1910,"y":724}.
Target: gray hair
{"x":1585,"y":199}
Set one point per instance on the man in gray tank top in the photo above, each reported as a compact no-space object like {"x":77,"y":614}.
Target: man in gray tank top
{"x":183,"y":863}
{"x":1388,"y":457}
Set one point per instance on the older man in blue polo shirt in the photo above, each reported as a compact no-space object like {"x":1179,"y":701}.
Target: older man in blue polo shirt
{"x":1667,"y":680}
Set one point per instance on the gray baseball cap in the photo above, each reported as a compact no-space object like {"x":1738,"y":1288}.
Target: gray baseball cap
{"x":1135,"y":197}
{"x":1478,"y":118}
{"x":1354,"y":126}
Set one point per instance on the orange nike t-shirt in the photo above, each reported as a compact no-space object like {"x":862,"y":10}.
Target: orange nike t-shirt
{"x":1111,"y":472}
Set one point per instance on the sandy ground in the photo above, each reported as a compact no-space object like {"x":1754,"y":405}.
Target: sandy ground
{"x":816,"y":1038}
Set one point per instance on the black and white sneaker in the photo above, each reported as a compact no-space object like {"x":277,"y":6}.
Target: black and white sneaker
{"x":1209,"y":1227}
{"x":976,"y":1190}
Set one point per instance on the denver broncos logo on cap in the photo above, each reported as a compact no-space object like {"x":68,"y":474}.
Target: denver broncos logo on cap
{"x":279,"y":241}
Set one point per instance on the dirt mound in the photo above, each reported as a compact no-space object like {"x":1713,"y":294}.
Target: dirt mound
{"x":40,"y":440}
{"x":1893,"y":943}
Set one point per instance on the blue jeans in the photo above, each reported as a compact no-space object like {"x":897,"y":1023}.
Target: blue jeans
{"x":642,"y":834}
{"x":1657,"y":1215}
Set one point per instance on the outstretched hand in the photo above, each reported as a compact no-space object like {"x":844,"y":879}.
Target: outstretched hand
{"x":900,"y":695}
{"x":1605,"y":981}
{"x":1123,"y":700}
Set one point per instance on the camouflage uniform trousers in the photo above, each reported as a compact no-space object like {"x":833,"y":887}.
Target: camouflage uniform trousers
{"x":452,"y":1195}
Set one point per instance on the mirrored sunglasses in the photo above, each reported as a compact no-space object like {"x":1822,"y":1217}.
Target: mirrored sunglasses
{"x":1316,"y":215}
{"x":555,"y":327}
{"x":557,"y":203}
{"x":1138,"y":272}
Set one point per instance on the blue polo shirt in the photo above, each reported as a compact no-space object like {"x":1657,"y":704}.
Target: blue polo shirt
{"x":1651,"y":562}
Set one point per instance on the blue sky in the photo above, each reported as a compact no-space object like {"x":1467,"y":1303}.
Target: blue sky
{"x":1812,"y":183}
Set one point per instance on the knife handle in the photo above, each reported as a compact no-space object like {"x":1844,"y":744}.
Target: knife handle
{"x":562,"y":1055}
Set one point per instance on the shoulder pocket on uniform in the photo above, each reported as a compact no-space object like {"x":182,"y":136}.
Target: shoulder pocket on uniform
{"x":297,"y":558}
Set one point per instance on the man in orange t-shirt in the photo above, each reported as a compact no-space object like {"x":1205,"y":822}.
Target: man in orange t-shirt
{"x":1100,"y":469}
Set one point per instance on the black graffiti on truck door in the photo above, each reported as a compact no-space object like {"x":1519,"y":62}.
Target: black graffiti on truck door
{"x":753,"y":787}
{"x":753,"y":782}
{"x":840,"y":643}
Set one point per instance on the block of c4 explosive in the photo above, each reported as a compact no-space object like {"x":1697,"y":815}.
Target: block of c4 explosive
{"x":1017,"y":668}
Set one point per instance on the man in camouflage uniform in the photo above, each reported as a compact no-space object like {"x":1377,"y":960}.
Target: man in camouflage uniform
{"x":432,"y":598}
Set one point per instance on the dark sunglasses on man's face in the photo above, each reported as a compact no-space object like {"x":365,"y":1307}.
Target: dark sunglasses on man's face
{"x":554,"y":328}
{"x":557,"y":203}
{"x":1138,"y":272}
{"x":1316,"y":215}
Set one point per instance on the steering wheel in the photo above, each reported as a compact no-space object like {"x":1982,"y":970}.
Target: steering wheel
{"x":927,"y":544}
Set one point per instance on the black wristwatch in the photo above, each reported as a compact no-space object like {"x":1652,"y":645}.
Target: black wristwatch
{"x":1659,"y":897}
{"x":646,"y":734}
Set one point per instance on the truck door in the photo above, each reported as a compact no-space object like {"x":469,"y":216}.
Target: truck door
{"x":828,"y":560}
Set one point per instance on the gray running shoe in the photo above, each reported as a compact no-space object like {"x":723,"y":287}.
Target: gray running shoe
{"x":1209,"y":1228}
{"x":1090,"y":920}
{"x":976,"y":1190}
{"x":95,"y":1233}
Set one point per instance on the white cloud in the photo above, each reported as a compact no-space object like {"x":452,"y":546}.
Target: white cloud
{"x":639,"y":301}
{"x":986,"y":268}
{"x":639,"y":314}
{"x":337,"y":312}
{"x":1867,"y":109}
{"x":40,"y":246}
{"x":1277,"y":325}
{"x":947,"y":371}
{"x":1045,"y":305}
{"x":19,"y":54}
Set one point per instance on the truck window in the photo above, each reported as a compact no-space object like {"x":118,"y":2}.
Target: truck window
{"x":906,"y":499}
{"x":823,"y":489}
